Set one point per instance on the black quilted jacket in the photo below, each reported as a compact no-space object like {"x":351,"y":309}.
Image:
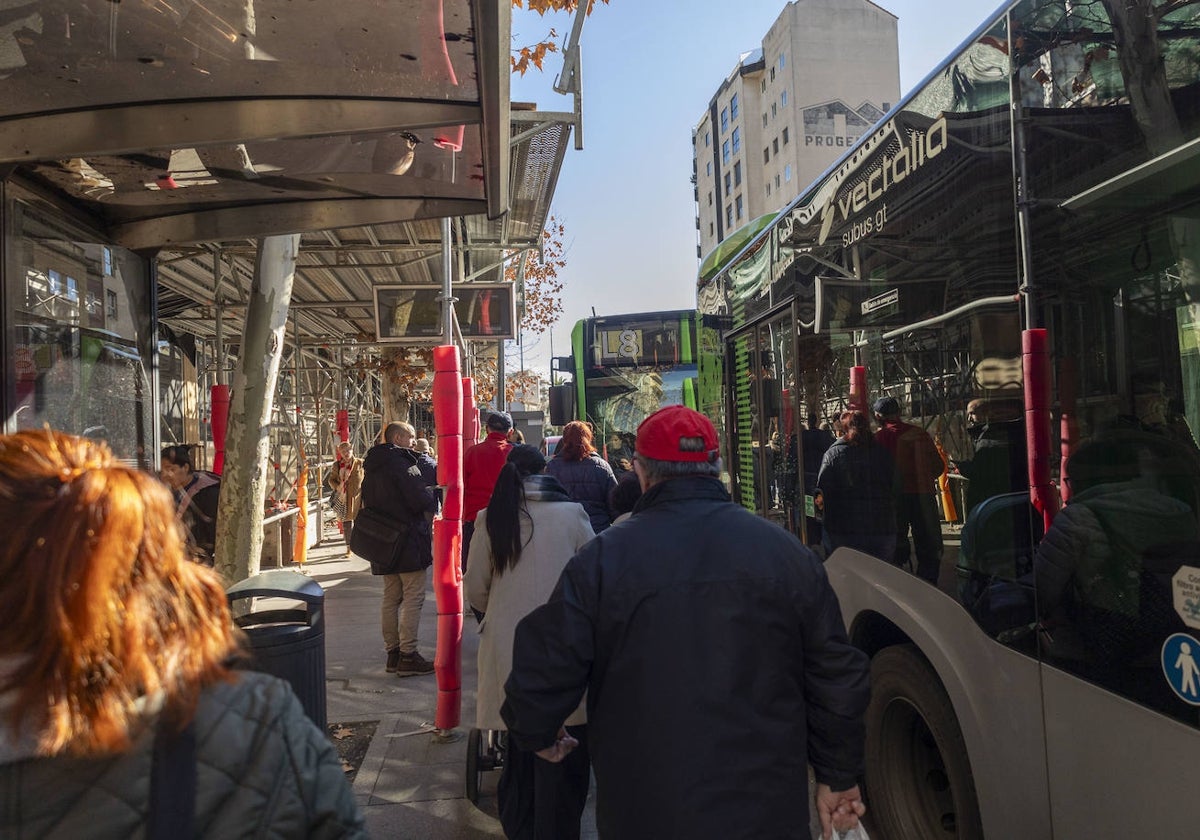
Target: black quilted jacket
{"x":264,"y":771}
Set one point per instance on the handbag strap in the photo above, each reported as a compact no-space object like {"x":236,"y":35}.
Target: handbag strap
{"x":172,"y":784}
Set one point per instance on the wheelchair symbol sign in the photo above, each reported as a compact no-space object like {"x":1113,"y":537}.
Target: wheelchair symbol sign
{"x":1181,"y":666}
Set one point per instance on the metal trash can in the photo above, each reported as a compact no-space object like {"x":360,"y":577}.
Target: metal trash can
{"x":288,"y":643}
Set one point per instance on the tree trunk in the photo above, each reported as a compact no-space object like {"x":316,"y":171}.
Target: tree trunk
{"x":244,"y":483}
{"x":396,"y":398}
{"x":1135,"y":33}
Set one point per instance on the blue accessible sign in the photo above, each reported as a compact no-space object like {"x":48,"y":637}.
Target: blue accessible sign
{"x":1181,"y":666}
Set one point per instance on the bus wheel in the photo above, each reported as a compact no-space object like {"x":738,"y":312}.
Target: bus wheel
{"x":918,"y":780}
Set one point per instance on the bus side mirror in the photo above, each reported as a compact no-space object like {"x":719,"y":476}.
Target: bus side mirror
{"x":562,"y":404}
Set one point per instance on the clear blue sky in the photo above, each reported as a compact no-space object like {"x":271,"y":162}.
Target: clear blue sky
{"x":649,"y":70}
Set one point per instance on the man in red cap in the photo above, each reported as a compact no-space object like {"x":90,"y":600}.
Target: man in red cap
{"x":714,"y":658}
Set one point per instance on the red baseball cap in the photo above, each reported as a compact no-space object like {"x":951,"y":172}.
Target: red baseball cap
{"x":677,"y":433}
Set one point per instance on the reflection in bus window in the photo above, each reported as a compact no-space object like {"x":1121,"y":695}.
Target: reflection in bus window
{"x":78,"y":365}
{"x":1104,"y":569}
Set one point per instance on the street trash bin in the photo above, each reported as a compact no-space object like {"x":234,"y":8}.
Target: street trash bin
{"x":287,"y":643}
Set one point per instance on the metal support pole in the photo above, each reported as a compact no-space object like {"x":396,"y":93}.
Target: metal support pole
{"x":501,"y":397}
{"x":219,"y":323}
{"x":447,"y":285}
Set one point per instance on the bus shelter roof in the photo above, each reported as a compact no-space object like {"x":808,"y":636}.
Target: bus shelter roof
{"x":337,"y":269}
{"x":189,"y":129}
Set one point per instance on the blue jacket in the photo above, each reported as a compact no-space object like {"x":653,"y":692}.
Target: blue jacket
{"x":856,"y":482}
{"x":588,"y":482}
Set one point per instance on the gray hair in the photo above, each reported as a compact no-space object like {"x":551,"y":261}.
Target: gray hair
{"x":655,"y":471}
{"x":394,"y":429}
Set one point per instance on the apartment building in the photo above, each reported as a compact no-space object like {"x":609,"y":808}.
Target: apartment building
{"x":826,"y":71}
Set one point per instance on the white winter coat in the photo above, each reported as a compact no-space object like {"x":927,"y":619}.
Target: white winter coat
{"x":560,"y":527}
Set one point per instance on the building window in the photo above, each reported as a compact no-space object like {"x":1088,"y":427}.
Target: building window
{"x":787,"y":172}
{"x":707,"y":139}
{"x":737,"y":140}
{"x":767,"y":155}
{"x":785,"y":136}
{"x":772,"y":74}
{"x":763,"y":86}
{"x":708,"y":169}
{"x":737,"y":174}
{"x":733,"y":107}
{"x":764,"y":119}
{"x":774,"y":110}
{"x":738,"y":201}
{"x":710,"y":198}
{"x":783,"y":98}
{"x":782,"y":61}
{"x":725,"y":152}
{"x":729,"y":215}
{"x":768,"y":188}
{"x":711,"y":231}
{"x":728,"y":184}
{"x":776,"y":180}
{"x":724,"y":120}
{"x":110,"y":298}
{"x":775,"y":145}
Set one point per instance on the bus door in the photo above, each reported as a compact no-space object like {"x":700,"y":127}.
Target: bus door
{"x":763,"y":419}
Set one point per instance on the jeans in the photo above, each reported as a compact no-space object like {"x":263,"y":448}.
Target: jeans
{"x":403,"y":596}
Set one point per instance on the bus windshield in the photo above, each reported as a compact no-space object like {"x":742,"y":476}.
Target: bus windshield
{"x":626,"y":367}
{"x":621,"y":398}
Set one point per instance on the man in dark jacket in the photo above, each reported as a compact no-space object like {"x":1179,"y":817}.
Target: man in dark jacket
{"x":714,"y":658}
{"x":918,"y":466}
{"x":393,"y":485}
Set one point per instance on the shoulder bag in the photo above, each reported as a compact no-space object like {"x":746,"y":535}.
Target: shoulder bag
{"x":379,"y":539}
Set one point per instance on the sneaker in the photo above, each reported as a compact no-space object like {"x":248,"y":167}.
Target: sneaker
{"x":413,"y":664}
{"x":393,"y":660}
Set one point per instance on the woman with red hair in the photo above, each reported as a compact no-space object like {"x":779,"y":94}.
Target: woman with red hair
{"x":588,"y":477}
{"x":114,"y":674}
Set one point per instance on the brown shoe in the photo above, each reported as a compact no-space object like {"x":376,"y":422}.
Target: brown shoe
{"x":413,"y":664}
{"x":393,"y":660}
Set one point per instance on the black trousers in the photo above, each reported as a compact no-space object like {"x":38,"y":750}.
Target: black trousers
{"x":540,"y":800}
{"x":919,"y":512}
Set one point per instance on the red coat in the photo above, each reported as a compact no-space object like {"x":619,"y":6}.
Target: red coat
{"x":918,"y":463}
{"x":481,"y":467}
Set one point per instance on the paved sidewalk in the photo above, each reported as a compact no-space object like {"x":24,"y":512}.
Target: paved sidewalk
{"x":409,"y":783}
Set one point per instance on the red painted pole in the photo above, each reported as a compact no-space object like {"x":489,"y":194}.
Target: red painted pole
{"x":447,"y":536}
{"x":858,"y":389}
{"x":343,"y":424}
{"x":1035,"y":361}
{"x":470,"y":414}
{"x":220,"y":424}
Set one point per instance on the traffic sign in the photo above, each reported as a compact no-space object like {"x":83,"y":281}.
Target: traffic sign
{"x":1181,"y":666}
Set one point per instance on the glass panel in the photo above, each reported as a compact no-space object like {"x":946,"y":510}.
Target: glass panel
{"x":88,"y":53}
{"x":635,"y":366}
{"x":79,"y":321}
{"x":784,"y":443}
{"x":743,"y":468}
